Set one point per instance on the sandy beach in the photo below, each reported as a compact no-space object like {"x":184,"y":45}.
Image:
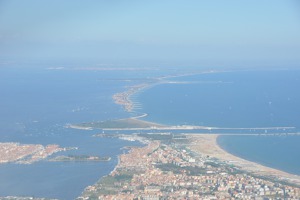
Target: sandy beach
{"x":206,"y":144}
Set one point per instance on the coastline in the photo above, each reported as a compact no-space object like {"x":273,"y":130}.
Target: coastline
{"x":206,"y":144}
{"x":125,"y":98}
{"x":217,"y":151}
{"x":210,"y":146}
{"x":163,"y":170}
{"x":212,"y":149}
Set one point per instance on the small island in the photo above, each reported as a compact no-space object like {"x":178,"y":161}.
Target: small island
{"x":79,"y":158}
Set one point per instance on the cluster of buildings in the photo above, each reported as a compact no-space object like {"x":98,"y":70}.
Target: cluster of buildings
{"x":123,"y":98}
{"x":23,"y":198}
{"x":26,"y":154}
{"x":160,"y":171}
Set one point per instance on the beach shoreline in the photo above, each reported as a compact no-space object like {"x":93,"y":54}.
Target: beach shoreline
{"x":147,"y":171}
{"x":206,"y":144}
{"x":210,"y":146}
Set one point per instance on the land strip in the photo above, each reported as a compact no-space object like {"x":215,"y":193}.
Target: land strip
{"x":26,"y":153}
{"x":123,"y":98}
{"x":119,"y":124}
{"x":135,"y":123}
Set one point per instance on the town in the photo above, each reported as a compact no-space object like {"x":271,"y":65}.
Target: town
{"x":168,"y":171}
{"x":26,"y":153}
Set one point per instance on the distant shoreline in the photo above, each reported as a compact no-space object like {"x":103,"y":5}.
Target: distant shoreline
{"x":124,"y":98}
{"x":245,"y":164}
{"x":204,"y":144}
{"x":138,"y":123}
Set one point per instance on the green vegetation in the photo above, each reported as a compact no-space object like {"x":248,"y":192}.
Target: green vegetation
{"x":213,"y":164}
{"x":232,"y":170}
{"x":170,"y":167}
{"x":192,"y":171}
{"x":195,"y":171}
{"x":111,"y":184}
{"x":157,"y":136}
{"x":108,"y":181}
{"x":123,"y":177}
{"x":175,"y":137}
{"x":181,"y":141}
{"x":113,"y":180}
{"x":119,"y":124}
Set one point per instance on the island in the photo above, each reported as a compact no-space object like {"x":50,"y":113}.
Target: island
{"x":79,"y":158}
{"x":26,"y":153}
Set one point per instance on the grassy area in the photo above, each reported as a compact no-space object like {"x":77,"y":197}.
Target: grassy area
{"x":213,"y":164}
{"x":157,"y":136}
{"x":192,"y":171}
{"x":119,"y":124}
{"x":170,"y":167}
{"x":113,"y":180}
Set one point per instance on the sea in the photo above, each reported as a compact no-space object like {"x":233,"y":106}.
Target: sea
{"x":37,"y":103}
{"x":251,"y":99}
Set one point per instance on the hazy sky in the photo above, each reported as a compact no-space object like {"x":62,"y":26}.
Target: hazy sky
{"x":154,"y":32}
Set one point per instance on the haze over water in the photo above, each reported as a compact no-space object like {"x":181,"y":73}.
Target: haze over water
{"x":249,"y":99}
{"x":52,"y":98}
{"x":230,"y":99}
{"x":36,"y":104}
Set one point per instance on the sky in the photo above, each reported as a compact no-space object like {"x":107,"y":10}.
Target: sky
{"x":222,"y":33}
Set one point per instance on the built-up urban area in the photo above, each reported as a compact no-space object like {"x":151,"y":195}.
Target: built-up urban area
{"x":169,"y":171}
{"x":26,"y":153}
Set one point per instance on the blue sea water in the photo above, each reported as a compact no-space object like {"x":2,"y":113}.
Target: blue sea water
{"x":237,"y":99}
{"x":35,"y":106}
{"x":231,"y":99}
{"x":279,"y":152}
